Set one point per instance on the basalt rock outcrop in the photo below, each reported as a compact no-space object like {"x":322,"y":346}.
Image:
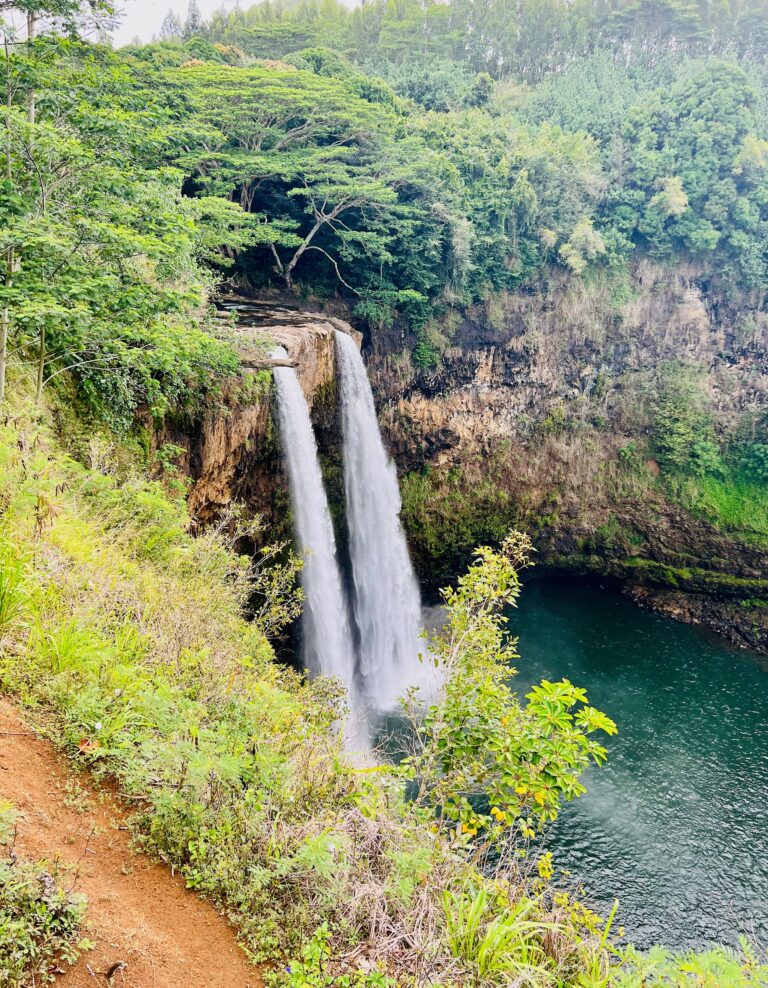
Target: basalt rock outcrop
{"x":231,"y":453}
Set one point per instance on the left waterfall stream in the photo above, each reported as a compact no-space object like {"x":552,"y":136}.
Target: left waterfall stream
{"x":327,"y":640}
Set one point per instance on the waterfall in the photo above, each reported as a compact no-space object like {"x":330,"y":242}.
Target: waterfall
{"x":327,"y":641}
{"x":387,"y":607}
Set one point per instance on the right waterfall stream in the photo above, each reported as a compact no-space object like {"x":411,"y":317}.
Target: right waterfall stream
{"x":386,"y":602}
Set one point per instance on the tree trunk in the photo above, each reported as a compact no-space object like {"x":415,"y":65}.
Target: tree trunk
{"x":288,"y":272}
{"x":40,"y":367}
{"x":4,"y":321}
{"x":31,"y":98}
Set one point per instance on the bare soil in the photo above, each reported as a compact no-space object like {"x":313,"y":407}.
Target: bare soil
{"x":149,"y":930}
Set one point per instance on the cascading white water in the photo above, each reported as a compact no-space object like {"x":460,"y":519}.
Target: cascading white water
{"x":387,"y":606}
{"x":327,"y":641}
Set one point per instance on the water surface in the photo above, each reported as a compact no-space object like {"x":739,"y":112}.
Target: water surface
{"x":676,"y":824}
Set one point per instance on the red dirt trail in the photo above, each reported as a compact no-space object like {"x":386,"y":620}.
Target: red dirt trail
{"x":138,"y":913}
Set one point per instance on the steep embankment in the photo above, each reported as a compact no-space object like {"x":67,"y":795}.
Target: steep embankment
{"x":148,"y":930}
{"x":543,"y":412}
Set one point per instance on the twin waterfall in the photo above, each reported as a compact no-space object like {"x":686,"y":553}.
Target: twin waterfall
{"x":373,"y":645}
{"x":327,"y":640}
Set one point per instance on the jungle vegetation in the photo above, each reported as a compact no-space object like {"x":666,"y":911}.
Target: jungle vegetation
{"x":408,"y":156}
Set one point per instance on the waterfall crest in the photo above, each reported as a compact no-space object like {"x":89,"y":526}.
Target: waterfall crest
{"x":327,"y":640}
{"x":387,"y":606}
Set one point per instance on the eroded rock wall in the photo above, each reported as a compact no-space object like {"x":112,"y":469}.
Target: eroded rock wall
{"x":232,"y":452}
{"x":538,"y":401}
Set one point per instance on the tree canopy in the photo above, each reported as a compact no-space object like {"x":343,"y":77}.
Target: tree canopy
{"x":413,"y":156}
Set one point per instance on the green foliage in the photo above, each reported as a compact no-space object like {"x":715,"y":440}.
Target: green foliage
{"x":39,"y":921}
{"x":301,"y":167}
{"x":503,"y":38}
{"x":313,"y":970}
{"x":102,"y":252}
{"x":730,"y":501}
{"x":490,"y":764}
{"x":726,"y":486}
{"x":490,"y":186}
{"x":507,"y":945}
{"x":716,"y":968}
{"x":12,"y":590}
{"x":447,"y":516}
{"x":689,"y":195}
{"x":439,"y":85}
{"x":682,"y":427}
{"x":755,"y":462}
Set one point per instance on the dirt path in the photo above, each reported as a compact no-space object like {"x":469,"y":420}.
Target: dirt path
{"x":138,"y":913}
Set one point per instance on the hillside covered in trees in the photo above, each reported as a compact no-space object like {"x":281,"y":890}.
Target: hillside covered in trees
{"x":408,"y":157}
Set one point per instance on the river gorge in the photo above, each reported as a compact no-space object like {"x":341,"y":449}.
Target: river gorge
{"x":675,"y":825}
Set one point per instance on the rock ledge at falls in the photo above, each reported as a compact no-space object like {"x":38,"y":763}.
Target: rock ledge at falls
{"x":306,"y":336}
{"x":231,"y":453}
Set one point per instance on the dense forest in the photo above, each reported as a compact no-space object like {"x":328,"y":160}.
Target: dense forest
{"x":418,"y":173}
{"x":404,"y":162}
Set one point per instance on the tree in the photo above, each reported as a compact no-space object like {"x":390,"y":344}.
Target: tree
{"x":194,"y":22}
{"x":171,"y":28}
{"x":695,"y":174}
{"x":319,"y":163}
{"x":331,"y":189}
{"x":487,"y":764}
{"x":109,"y":283}
{"x":19,"y":74}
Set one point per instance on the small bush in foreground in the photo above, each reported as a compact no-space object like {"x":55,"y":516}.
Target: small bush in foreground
{"x":39,"y":921}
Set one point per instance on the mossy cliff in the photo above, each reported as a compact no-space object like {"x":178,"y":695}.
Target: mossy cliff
{"x":609,"y":419}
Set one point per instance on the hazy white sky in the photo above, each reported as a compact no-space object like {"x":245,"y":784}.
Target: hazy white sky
{"x":142,"y":18}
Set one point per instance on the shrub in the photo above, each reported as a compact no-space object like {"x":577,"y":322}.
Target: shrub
{"x":39,"y":921}
{"x":755,"y":463}
{"x":682,"y":427}
{"x":487,"y":764}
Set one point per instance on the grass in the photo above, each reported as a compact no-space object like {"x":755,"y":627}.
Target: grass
{"x":730,"y":502}
{"x":39,"y":920}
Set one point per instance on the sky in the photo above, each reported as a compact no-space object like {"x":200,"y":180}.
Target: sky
{"x":143,"y":18}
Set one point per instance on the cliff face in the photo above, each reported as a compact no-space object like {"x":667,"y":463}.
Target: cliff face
{"x":510,"y":364}
{"x":232,"y":453}
{"x":539,"y":416}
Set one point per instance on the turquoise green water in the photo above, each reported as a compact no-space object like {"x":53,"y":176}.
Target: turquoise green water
{"x":676,"y":824}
